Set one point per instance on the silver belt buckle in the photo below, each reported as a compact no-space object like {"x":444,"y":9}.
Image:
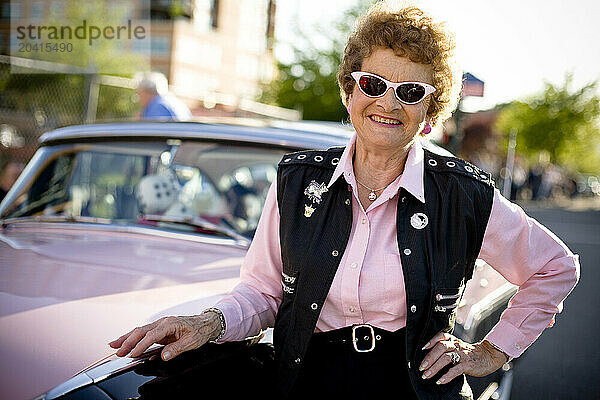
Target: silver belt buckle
{"x":355,"y":340}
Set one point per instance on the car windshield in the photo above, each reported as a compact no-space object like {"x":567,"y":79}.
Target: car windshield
{"x":182,"y":185}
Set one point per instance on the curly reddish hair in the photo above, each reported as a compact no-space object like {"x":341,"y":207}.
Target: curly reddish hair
{"x":413,"y":34}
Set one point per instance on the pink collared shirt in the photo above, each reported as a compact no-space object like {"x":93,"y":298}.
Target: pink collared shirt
{"x":368,"y":286}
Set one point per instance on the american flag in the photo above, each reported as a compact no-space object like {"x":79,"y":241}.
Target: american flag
{"x":472,"y":86}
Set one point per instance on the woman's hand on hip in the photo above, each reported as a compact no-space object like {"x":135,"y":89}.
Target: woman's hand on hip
{"x":478,"y":359}
{"x":179,"y":334}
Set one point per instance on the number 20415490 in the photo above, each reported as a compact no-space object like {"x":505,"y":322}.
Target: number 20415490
{"x":47,"y":47}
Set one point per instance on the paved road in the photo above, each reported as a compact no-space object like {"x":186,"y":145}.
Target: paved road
{"x":564,"y":363}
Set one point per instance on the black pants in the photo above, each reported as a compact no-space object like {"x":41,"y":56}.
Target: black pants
{"x":333,"y":368}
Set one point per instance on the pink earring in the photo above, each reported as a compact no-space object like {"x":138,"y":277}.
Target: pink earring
{"x":426,"y":129}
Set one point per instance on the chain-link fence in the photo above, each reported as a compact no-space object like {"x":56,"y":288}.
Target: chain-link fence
{"x":48,"y":98}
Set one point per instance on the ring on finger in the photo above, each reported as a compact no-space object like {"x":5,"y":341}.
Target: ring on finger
{"x":454,"y":357}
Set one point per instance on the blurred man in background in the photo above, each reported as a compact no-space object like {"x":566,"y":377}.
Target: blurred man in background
{"x":8,"y":175}
{"x":157,"y":103}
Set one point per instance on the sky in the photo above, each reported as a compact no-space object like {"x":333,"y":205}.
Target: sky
{"x":514,"y":46}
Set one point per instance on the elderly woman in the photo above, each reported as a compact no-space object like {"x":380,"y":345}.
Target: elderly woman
{"x":362,"y":253}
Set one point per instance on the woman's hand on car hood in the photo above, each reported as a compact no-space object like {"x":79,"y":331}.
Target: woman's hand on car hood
{"x":178,"y":334}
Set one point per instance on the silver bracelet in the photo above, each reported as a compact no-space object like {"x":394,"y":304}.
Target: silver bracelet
{"x":221,"y":320}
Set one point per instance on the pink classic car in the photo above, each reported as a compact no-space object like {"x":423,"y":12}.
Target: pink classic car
{"x":113,"y":225}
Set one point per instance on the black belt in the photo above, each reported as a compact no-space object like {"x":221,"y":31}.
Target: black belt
{"x":362,"y":338}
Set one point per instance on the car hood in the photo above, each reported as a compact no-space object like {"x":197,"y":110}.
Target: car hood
{"x":116,"y":281}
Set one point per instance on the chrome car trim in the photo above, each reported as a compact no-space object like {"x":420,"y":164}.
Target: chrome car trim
{"x":488,"y":304}
{"x":152,"y":231}
{"x":58,"y":218}
{"x":505,"y":386}
{"x":26,"y":176}
{"x":299,"y":135}
{"x":12,"y":243}
{"x":116,"y":365}
{"x":76,"y":382}
{"x":201,"y":223}
{"x":97,"y":373}
{"x":500,"y":390}
{"x":270,"y":135}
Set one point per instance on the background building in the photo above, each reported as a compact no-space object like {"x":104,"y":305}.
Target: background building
{"x":216,"y":54}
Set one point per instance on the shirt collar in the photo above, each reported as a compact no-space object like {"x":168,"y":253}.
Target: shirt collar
{"x":412,"y":176}
{"x":345,"y":162}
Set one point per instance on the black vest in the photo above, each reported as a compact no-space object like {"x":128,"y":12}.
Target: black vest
{"x":437,"y":258}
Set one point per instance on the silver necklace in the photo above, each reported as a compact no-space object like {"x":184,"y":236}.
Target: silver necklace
{"x":372,"y":195}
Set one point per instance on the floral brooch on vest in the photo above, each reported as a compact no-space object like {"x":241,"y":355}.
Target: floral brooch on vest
{"x":314,"y":191}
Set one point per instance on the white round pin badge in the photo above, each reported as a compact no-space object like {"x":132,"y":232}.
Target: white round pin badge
{"x":419,"y":220}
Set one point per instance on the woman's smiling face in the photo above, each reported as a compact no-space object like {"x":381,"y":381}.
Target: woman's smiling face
{"x":385,"y":122}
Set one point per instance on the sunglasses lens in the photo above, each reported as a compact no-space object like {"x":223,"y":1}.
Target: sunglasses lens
{"x":371,"y":85}
{"x":410,"y":92}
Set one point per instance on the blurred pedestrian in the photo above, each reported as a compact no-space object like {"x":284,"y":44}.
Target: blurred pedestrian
{"x":157,"y":103}
{"x":534,"y":180}
{"x":519,"y":178}
{"x":551,"y":178}
{"x":8,"y":175}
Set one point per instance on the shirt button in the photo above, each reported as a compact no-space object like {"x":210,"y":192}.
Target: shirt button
{"x":413,"y":308}
{"x":518,"y":346}
{"x":353,"y":265}
{"x":407,"y":252}
{"x":352,"y":309}
{"x":298,"y":360}
{"x":347,"y":202}
{"x":403,"y":199}
{"x":335,"y":253}
{"x":364,"y":221}
{"x":314,"y":306}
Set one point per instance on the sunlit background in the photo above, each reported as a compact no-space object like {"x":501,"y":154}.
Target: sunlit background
{"x":514,"y":46}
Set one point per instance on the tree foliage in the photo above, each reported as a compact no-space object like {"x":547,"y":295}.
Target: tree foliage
{"x":57,"y":99}
{"x":309,"y":83}
{"x":559,"y":121}
{"x":107,"y":50}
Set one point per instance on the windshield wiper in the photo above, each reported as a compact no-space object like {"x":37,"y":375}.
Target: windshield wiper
{"x":196,"y":222}
{"x":199,"y":222}
{"x":57,"y":218}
